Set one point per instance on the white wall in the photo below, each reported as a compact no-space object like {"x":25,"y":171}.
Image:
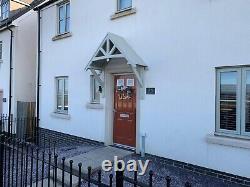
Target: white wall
{"x":181,"y":42}
{"x":5,"y":68}
{"x":25,"y":55}
{"x":24,"y":61}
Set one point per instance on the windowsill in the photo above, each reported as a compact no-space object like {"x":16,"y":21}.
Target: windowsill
{"x":62,"y":36}
{"x":60,"y":115}
{"x":123,"y":13}
{"x":94,"y":106}
{"x":228,"y":141}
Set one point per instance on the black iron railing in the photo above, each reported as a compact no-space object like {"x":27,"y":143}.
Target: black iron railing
{"x":21,"y":128}
{"x":36,"y":163}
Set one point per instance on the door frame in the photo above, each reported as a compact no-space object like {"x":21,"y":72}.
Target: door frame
{"x":109,"y":104}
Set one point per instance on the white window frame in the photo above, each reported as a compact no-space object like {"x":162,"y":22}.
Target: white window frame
{"x":1,"y":50}
{"x":5,"y":12}
{"x":62,"y":111}
{"x":64,"y":6}
{"x":240,"y":106}
{"x":243,"y":113}
{"x":93,"y":82}
{"x":119,"y":9}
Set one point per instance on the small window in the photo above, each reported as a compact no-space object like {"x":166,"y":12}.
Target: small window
{"x":64,"y":18}
{"x":94,"y":90}
{"x":124,"y":4}
{"x":5,"y":10}
{"x":233,"y":101}
{"x":62,"y":94}
{"x":1,"y":50}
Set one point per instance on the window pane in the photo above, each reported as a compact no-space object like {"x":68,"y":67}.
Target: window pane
{"x":67,"y":24}
{"x":62,"y":26}
{"x":228,"y":96}
{"x":60,"y":86}
{"x":66,"y":102}
{"x":5,"y":10}
{"x":59,"y":102}
{"x":96,"y":91}
{"x":247,"y":109}
{"x":61,"y":13}
{"x":125,"y":4}
{"x":67,"y":10}
{"x":65,"y":86}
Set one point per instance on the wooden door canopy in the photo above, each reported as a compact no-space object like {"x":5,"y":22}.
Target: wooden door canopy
{"x":114,"y":46}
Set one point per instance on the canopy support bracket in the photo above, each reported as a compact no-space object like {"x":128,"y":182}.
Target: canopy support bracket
{"x":137,"y":74}
{"x":97,"y":77}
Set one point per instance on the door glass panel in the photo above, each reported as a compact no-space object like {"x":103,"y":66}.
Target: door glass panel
{"x":228,"y":103}
{"x":247,"y":108}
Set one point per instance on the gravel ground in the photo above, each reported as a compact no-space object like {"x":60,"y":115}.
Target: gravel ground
{"x":178,"y":176}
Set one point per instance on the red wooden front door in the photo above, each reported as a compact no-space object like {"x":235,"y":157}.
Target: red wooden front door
{"x":124,"y":110}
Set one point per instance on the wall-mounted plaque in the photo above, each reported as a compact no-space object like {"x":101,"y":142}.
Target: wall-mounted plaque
{"x":150,"y":91}
{"x":4,"y":100}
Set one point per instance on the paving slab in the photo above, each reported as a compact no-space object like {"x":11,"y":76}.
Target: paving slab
{"x":66,"y":178}
{"x":95,"y":157}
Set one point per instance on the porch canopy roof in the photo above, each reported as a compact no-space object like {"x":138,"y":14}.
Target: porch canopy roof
{"x":114,"y":46}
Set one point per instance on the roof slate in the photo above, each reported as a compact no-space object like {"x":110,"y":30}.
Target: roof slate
{"x":19,"y":12}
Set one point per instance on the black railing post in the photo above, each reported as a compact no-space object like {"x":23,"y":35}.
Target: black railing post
{"x":119,"y":176}
{"x":135,"y":177}
{"x":99,"y":178}
{"x":31,"y":166}
{"x":55,"y":169}
{"x":80,"y":174}
{"x":21,"y":175}
{"x":63,"y":170}
{"x":8,"y":126}
{"x":37,"y":165}
{"x":43,"y":164}
{"x":71,"y":173}
{"x":1,"y":160}
{"x":187,"y":184}
{"x":89,"y":175}
{"x":17,"y":161}
{"x":151,"y":178}
{"x":168,"y":179}
{"x":110,"y":180}
{"x":49,"y":165}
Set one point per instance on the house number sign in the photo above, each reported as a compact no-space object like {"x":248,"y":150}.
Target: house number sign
{"x":150,"y":91}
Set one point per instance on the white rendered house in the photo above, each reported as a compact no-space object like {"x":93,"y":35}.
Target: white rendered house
{"x":18,"y":41}
{"x":173,"y":72}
